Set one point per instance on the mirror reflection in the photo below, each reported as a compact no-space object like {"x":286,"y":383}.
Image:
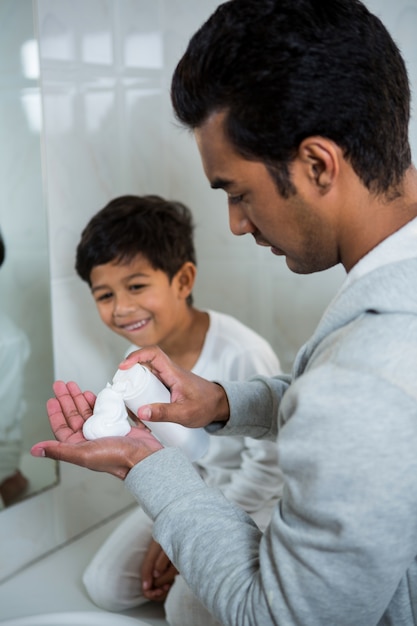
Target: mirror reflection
{"x":26,"y":362}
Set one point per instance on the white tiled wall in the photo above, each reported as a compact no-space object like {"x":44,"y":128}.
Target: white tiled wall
{"x":106,"y":67}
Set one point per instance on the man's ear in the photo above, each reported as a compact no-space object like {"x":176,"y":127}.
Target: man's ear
{"x":320,"y":159}
{"x":185,"y":278}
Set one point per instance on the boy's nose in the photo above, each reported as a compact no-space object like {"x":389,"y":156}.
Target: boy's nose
{"x":123,"y":306}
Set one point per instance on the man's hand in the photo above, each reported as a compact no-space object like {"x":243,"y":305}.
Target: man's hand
{"x":195,"y":402}
{"x":67,"y":413}
{"x":157,"y":573}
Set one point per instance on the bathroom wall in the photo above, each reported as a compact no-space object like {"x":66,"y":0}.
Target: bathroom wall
{"x":109,"y":130}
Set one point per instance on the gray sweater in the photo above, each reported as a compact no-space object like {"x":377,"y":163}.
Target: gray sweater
{"x":341,"y":546}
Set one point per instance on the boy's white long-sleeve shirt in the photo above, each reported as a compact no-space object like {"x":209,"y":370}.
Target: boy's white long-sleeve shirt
{"x":245,"y":469}
{"x":342,"y":543}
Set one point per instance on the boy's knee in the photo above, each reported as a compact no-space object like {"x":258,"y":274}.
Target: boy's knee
{"x":99,"y":589}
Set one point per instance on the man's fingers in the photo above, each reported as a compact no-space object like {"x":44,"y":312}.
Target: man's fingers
{"x":48,"y":449}
{"x":73,"y":405}
{"x":59,"y":423}
{"x":80,"y":454}
{"x":81,"y":402}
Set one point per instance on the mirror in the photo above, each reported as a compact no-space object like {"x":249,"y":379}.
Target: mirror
{"x":24,"y":274}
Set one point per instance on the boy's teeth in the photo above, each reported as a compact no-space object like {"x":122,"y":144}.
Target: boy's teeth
{"x":135,"y":326}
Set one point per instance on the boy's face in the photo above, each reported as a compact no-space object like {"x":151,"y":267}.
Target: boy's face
{"x":138,"y":302}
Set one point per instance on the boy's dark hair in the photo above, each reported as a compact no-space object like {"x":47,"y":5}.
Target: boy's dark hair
{"x":284,"y":70}
{"x":2,"y":250}
{"x":158,"y":229}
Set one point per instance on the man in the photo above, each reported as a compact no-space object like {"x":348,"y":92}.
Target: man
{"x":300,"y":110}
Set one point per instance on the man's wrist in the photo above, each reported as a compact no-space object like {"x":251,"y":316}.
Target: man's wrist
{"x":136,"y":458}
{"x":223,"y":408}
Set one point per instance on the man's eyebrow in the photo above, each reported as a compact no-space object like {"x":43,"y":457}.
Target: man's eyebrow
{"x":220,"y":183}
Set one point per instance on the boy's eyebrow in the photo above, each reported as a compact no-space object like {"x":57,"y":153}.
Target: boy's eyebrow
{"x":97,"y":287}
{"x":136,"y":275}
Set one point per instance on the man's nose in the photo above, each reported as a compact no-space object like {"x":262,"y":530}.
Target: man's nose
{"x":239,"y":224}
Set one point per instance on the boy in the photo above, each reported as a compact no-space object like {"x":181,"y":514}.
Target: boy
{"x":137,"y":255}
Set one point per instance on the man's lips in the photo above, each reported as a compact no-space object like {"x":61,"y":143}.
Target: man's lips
{"x":266,"y":244}
{"x":261,"y":242}
{"x":277,"y":251}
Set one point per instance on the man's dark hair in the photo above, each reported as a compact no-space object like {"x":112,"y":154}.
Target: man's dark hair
{"x":284,"y":70}
{"x":159,"y":230}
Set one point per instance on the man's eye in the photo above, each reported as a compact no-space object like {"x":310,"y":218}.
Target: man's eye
{"x":136,"y":287}
{"x":235,"y":199}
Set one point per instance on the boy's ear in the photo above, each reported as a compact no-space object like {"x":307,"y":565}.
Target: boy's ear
{"x":320,"y":159}
{"x":186,"y":278}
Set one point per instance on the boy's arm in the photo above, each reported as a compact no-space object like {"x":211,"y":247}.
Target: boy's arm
{"x":258,"y":481}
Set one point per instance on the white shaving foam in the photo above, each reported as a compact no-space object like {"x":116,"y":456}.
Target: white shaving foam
{"x":110,"y":417}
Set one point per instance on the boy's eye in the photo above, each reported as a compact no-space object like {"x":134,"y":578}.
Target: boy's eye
{"x":136,"y":287}
{"x":104,"y":296}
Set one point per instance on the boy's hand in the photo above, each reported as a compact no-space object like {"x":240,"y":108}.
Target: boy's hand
{"x":195,"y":402}
{"x":157,"y":573}
{"x":67,"y":413}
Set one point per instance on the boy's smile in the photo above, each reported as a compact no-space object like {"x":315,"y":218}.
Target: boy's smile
{"x":139,"y":302}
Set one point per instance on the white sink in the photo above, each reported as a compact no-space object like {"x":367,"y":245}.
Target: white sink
{"x":75,"y":618}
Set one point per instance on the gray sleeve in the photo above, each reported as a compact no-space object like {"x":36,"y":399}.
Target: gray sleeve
{"x":254,"y":407}
{"x":331,"y":553}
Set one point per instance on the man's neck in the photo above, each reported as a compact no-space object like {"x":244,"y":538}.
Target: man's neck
{"x":374,"y":218}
